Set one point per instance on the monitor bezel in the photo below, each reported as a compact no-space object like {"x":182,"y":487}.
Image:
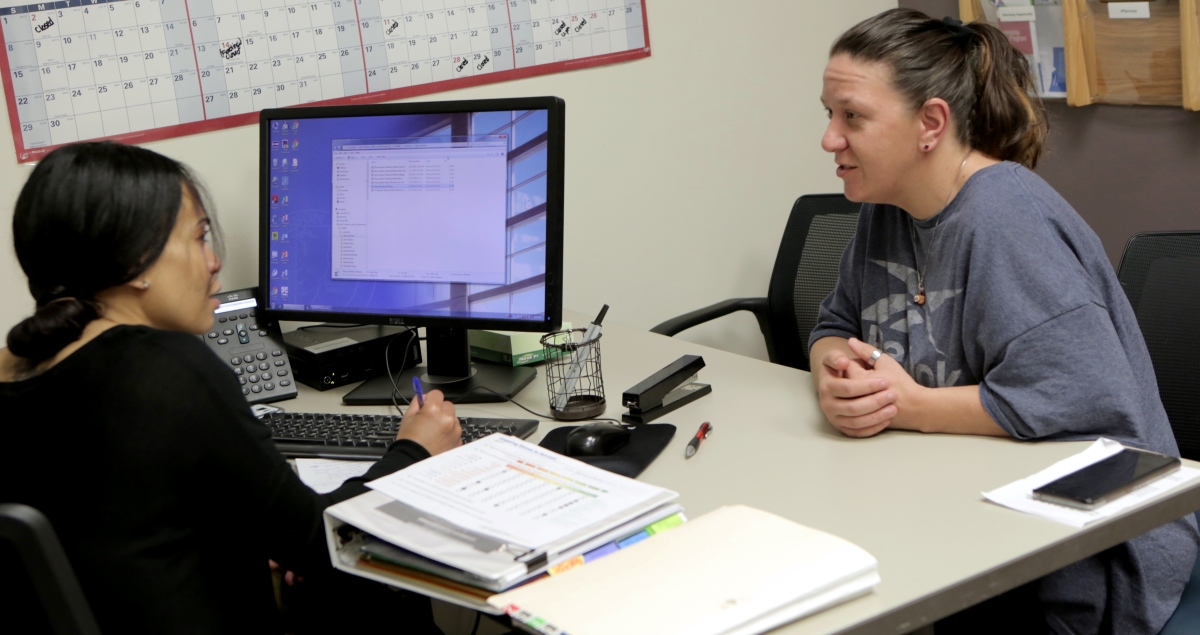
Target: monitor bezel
{"x":556,"y":111}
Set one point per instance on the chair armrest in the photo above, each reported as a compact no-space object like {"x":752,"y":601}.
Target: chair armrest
{"x":757,"y":306}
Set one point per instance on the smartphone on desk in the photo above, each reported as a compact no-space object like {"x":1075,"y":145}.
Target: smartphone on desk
{"x":1100,"y":482}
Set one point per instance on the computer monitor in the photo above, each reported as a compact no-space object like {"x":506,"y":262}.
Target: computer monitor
{"x":445,"y":215}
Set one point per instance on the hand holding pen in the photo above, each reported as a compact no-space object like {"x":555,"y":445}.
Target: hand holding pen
{"x":431,"y":422}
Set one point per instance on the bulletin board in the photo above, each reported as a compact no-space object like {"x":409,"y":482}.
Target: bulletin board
{"x":144,"y":70}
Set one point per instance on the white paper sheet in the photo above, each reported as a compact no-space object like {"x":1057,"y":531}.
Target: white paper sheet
{"x":326,"y":475}
{"x":1018,"y":495}
{"x":518,"y":493}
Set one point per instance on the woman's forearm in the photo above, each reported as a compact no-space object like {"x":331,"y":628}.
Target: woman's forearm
{"x":950,"y":410}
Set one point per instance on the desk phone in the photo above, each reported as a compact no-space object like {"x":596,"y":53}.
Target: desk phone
{"x":252,"y":349}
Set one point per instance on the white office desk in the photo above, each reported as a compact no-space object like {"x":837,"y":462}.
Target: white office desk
{"x":912,"y":500}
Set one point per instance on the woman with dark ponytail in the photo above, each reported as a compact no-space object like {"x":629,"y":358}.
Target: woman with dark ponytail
{"x":167,"y":494}
{"x":974,"y":300}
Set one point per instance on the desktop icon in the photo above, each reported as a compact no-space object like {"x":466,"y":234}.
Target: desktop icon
{"x":274,"y":198}
{"x":274,"y":273}
{"x":295,"y":162}
{"x":283,"y":273}
{"x":285,"y":144}
{"x":275,"y":236}
{"x":283,"y":290}
{"x":283,"y":254}
{"x":295,"y":143}
{"x":295,"y":125}
{"x":274,"y":125}
{"x":274,"y":219}
{"x":285,"y":218}
{"x":285,"y":125}
{"x":275,"y":163}
{"x":285,"y":199}
{"x":283,"y":237}
{"x":274,"y":145}
{"x":274,"y":180}
{"x":274,"y":254}
{"x":285,"y":181}
{"x":274,"y":290}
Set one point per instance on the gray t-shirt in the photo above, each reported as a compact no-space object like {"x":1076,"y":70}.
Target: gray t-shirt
{"x":1021,"y":301}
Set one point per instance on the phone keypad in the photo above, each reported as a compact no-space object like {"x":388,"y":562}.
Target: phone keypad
{"x":254,"y":352}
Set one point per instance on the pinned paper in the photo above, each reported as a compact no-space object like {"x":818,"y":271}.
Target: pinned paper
{"x":1016,"y":14}
{"x":1129,"y":10}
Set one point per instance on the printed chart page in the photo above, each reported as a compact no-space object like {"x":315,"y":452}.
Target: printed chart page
{"x":519,"y":493}
{"x":143,"y":70}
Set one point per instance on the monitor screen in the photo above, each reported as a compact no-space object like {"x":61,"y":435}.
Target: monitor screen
{"x":431,"y":214}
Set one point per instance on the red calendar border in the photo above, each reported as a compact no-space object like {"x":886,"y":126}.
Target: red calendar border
{"x":26,"y":155}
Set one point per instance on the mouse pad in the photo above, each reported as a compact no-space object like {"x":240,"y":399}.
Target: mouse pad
{"x":646,"y":442}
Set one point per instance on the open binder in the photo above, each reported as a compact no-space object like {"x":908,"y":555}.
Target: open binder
{"x":503,"y":526}
{"x":484,"y":517}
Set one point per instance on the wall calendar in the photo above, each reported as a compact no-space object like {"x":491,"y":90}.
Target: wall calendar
{"x":144,"y":70}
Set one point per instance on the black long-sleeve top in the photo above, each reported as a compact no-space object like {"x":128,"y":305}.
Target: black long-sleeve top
{"x":167,"y":494}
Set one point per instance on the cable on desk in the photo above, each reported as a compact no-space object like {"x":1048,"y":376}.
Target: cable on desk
{"x":387,"y":364}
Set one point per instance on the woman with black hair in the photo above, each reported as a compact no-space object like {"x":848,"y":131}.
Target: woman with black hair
{"x":974,"y":300}
{"x":167,"y":494}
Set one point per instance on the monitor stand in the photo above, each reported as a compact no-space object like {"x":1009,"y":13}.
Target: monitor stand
{"x":449,"y":370}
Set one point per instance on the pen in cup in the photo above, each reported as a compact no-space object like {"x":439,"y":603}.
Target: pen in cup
{"x":418,"y":392}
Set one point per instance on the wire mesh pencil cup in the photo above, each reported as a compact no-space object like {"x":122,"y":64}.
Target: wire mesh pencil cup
{"x":573,"y":378}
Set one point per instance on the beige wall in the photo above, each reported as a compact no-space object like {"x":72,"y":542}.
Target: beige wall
{"x":681,"y":168}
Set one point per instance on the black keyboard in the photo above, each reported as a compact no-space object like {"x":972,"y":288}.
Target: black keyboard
{"x":350,"y":436}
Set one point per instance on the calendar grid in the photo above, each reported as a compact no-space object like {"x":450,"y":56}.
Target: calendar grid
{"x":79,"y":70}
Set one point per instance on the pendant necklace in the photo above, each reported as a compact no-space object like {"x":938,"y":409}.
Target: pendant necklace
{"x":919,"y":298}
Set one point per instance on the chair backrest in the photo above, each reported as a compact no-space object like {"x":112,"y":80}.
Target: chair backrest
{"x":806,"y":271}
{"x":42,"y":567}
{"x":1160,"y":272}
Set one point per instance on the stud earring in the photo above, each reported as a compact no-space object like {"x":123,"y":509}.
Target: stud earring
{"x":145,"y":284}
{"x":926,"y":146}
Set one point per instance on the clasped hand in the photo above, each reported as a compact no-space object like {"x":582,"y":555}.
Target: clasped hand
{"x":862,"y":400}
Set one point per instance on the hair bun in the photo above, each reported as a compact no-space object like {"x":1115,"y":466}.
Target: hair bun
{"x":53,"y":326}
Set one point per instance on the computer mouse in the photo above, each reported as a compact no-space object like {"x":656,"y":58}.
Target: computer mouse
{"x":597,"y":439}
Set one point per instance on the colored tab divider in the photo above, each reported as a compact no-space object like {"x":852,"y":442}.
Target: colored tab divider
{"x":532,"y":621}
{"x":669,"y":522}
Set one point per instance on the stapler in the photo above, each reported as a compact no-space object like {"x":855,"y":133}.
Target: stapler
{"x":670,"y":388}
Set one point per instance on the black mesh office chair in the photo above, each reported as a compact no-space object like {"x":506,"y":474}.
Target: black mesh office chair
{"x":806,"y":270}
{"x":1160,"y":272}
{"x":34,"y":571}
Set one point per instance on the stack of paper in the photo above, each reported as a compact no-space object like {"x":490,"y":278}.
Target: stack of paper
{"x":489,"y":515}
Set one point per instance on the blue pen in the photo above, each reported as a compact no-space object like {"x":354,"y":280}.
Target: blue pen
{"x":418,"y":392}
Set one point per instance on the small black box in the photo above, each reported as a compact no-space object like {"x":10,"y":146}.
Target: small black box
{"x":325,"y":357}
